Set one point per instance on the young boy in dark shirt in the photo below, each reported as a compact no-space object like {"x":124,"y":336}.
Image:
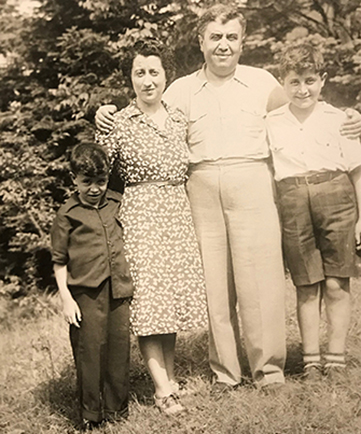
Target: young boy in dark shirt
{"x":95,"y":286}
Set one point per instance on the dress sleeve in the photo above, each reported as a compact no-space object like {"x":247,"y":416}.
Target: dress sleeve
{"x":110,"y":142}
{"x":59,"y":236}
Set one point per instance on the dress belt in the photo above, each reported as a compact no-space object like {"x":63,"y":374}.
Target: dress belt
{"x":315,"y":178}
{"x":160,"y":183}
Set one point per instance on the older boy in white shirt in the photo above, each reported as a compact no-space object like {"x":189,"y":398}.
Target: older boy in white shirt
{"x":318,"y":174}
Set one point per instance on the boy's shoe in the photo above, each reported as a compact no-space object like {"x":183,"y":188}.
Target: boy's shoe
{"x":335,"y":368}
{"x":89,"y":425}
{"x":336,"y":374}
{"x":312,"y":373}
{"x":169,"y":405}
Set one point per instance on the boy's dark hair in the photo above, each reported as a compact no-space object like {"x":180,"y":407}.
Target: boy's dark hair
{"x":149,"y":47}
{"x":300,"y":57}
{"x":222,"y":12}
{"x":89,"y":159}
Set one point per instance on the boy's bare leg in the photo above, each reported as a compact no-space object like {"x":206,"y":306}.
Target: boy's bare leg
{"x":308,"y":314}
{"x":338,"y":307}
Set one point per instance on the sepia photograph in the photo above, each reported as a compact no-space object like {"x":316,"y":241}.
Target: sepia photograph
{"x":171,"y":260}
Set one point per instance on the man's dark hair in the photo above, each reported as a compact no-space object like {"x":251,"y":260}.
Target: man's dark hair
{"x":149,"y":47}
{"x":89,"y":159}
{"x":222,"y":12}
{"x":300,"y":57}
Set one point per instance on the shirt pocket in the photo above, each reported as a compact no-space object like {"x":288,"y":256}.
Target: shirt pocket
{"x":251,"y":124}
{"x":198,"y":125}
{"x":327,"y":140}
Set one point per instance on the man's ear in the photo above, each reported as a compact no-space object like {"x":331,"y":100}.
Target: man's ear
{"x":200,"y":41}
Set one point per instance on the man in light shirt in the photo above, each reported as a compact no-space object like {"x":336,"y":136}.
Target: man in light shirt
{"x":231,"y":194}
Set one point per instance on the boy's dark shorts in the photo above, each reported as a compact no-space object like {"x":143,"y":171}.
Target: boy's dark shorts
{"x":318,"y":228}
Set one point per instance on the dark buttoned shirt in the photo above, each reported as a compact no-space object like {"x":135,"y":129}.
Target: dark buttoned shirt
{"x":89,"y":242}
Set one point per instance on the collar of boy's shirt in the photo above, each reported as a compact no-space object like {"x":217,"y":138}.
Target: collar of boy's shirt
{"x":75,"y":201}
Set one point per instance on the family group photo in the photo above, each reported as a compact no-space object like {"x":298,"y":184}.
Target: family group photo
{"x":180,"y":216}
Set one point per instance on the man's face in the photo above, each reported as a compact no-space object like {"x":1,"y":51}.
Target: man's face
{"x":221,"y":45}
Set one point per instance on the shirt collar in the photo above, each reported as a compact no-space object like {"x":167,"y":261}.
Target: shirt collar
{"x":134,"y":111}
{"x":320,"y":108}
{"x":202,"y":77}
{"x":74,"y":200}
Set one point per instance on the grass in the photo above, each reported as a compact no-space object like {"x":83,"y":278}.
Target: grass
{"x":37,"y":384}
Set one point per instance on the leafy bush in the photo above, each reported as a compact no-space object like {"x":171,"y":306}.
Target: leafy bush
{"x":64,"y":61}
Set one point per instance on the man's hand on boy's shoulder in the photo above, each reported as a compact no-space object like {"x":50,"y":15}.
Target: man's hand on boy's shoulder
{"x":351,"y":127}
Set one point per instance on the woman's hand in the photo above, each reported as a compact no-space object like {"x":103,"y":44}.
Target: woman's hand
{"x":351,"y":127}
{"x":104,"y":117}
{"x":71,"y":311}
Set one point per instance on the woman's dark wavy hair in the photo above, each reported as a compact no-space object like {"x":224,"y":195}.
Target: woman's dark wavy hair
{"x":149,"y":47}
{"x":89,"y":159}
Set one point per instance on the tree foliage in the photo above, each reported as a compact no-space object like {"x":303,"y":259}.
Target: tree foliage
{"x":64,"y":60}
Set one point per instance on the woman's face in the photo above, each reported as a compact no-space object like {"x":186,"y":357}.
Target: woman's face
{"x":148,"y":79}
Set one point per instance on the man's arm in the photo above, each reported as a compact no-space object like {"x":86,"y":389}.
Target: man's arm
{"x":277,"y":98}
{"x":351,"y":128}
{"x":356,"y":180}
{"x":104,"y":117}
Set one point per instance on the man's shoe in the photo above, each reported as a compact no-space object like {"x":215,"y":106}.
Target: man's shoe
{"x":273,"y":388}
{"x":218,"y":389}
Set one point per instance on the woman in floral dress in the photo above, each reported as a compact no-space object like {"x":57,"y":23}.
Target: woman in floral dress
{"x":148,"y":149}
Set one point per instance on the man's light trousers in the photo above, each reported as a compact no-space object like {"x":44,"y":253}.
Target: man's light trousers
{"x":238,"y":229}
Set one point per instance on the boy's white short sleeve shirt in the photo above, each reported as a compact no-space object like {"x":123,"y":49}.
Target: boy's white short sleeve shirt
{"x":315,"y":145}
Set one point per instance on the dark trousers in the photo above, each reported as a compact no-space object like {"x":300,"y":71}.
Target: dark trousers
{"x":101,"y":348}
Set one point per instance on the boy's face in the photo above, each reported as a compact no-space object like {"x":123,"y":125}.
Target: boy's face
{"x":91,"y":188}
{"x":303,"y":89}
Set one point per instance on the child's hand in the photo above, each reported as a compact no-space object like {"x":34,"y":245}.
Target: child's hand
{"x":358,"y":234}
{"x":71,"y":311}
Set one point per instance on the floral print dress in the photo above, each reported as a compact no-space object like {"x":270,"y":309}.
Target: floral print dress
{"x":159,"y":238}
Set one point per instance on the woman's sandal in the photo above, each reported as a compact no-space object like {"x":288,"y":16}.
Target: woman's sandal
{"x":169,"y":404}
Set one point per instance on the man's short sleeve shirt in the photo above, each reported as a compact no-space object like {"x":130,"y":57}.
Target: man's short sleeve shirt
{"x":226,"y":121}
